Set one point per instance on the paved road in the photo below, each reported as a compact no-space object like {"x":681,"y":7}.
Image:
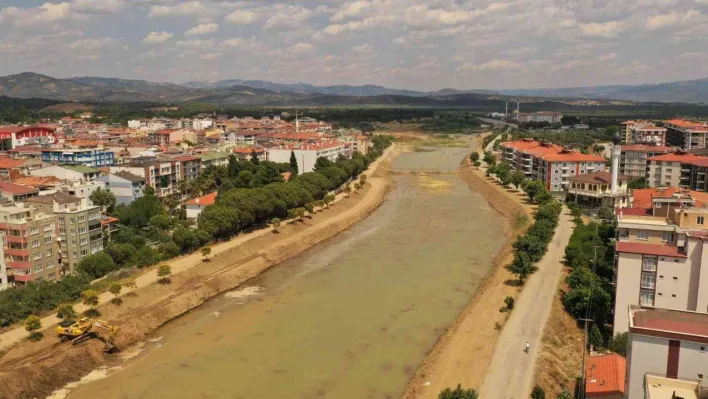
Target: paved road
{"x":510,"y":375}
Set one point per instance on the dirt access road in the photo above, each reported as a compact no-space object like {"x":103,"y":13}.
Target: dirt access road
{"x":510,"y":375}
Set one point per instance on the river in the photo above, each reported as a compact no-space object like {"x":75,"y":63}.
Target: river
{"x":352,"y":317}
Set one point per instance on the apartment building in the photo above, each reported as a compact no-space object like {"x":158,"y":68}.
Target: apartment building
{"x":30,"y":247}
{"x":16,"y":136}
{"x":190,"y":165}
{"x":685,"y":134}
{"x":126,"y":186}
{"x":549,"y":163}
{"x":163,"y":176}
{"x":246,"y":153}
{"x":542,"y":116}
{"x":93,"y":157}
{"x":81,"y":189}
{"x":659,"y":254}
{"x":678,"y":169}
{"x":643,"y":132}
{"x":666,"y":354}
{"x":213,"y":159}
{"x":79,"y":226}
{"x":634,"y":158}
{"x":307,"y":153}
{"x":4,"y":279}
{"x":68,"y":172}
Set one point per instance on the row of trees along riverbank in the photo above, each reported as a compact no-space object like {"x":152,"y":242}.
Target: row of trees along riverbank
{"x":250,"y":195}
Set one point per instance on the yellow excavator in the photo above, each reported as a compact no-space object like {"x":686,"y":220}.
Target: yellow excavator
{"x":80,"y":330}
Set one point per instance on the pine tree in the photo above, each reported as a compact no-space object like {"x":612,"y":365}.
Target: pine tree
{"x":293,"y":164}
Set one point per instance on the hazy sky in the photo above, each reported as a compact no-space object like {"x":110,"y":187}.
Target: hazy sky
{"x":404,"y":44}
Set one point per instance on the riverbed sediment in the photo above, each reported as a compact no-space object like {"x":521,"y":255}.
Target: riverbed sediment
{"x":464,"y":352}
{"x":31,"y":370}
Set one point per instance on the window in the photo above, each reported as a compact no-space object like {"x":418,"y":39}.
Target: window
{"x":82,"y":230}
{"x":84,"y":241}
{"x":658,"y":205}
{"x":35,"y":243}
{"x":668,"y":236}
{"x":61,"y":219}
{"x":48,"y":239}
{"x":50,"y":252}
{"x":700,"y":220}
{"x":36,"y":255}
{"x":52,"y":276}
{"x":47,"y":227}
{"x":38,"y":268}
{"x":34,"y":230}
{"x":84,"y":252}
{"x":62,"y":231}
{"x":623,"y":233}
{"x":675,"y":278}
{"x":648,"y":281}
{"x":642,"y":235}
{"x":700,"y":376}
{"x":49,"y":265}
{"x":646,"y":298}
{"x":82,"y":218}
{"x":649,"y":264}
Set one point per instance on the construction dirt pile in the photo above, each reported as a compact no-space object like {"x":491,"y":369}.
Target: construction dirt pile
{"x":464,"y":353}
{"x":34,"y":370}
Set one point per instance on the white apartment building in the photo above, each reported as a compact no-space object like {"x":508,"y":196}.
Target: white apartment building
{"x":4,"y":284}
{"x":634,"y":159}
{"x":666,"y":354}
{"x":307,"y":154}
{"x":643,"y":132}
{"x":202,"y":124}
{"x":661,"y":255}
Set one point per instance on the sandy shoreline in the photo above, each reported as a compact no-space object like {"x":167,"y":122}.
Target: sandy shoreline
{"x":464,"y":353}
{"x":35,"y":370}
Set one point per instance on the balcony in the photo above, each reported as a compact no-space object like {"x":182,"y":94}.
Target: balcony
{"x":23,"y":277}
{"x":19,"y":265}
{"x":17,"y":252}
{"x":648,"y":286}
{"x":17,"y":239}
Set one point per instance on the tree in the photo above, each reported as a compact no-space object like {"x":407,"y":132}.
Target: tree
{"x":146,"y":256}
{"x":564,"y":395}
{"x":206,"y":251}
{"x":357,"y":186}
{"x":329,"y":198}
{"x":131,"y":284}
{"x":522,"y":266}
{"x":309,"y":207}
{"x":347,"y":190}
{"x":293,"y":164}
{"x":640,"y":182}
{"x":477,"y":164}
{"x":90,"y":299}
{"x":595,"y":337}
{"x":115,"y":289}
{"x":32,"y":324}
{"x":164,"y":272}
{"x":474,"y":157}
{"x":542,"y":197}
{"x":254,"y":158}
{"x":275,"y":222}
{"x":517,"y":178}
{"x":458,"y":393}
{"x":606,"y":213}
{"x":618,"y":344}
{"x":97,"y":265}
{"x":362,"y":179}
{"x":66,"y":312}
{"x":103,"y":198}
{"x":538,"y":393}
{"x":533,"y":188}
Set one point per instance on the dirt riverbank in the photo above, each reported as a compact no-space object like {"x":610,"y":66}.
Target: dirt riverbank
{"x":34,"y":370}
{"x":464,"y":352}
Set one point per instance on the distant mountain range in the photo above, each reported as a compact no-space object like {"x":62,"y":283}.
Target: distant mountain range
{"x":259,"y":92}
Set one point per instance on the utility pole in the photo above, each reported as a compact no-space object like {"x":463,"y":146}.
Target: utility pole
{"x":581,"y":389}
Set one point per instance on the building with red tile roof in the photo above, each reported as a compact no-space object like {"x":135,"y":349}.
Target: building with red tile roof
{"x":17,"y":192}
{"x":604,"y":376}
{"x":195,"y":206}
{"x":686,"y":134}
{"x":306,"y":153}
{"x":15,"y":136}
{"x":666,"y":353}
{"x":549,"y":163}
{"x":678,"y":169}
{"x":633,"y":158}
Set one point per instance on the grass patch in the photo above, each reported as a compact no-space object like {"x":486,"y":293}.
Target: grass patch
{"x":520,"y":220}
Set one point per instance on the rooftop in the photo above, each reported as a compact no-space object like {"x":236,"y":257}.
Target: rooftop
{"x":605,"y":375}
{"x":646,"y":148}
{"x":683,"y":157}
{"x":667,"y":323}
{"x":649,"y":249}
{"x":81,"y":169}
{"x":129,"y":176}
{"x":204,"y":200}
{"x":684,"y":123}
{"x":658,"y":387}
{"x":16,"y":189}
{"x":37,"y":181}
{"x":644,"y":197}
{"x":596,"y":178}
{"x":58,"y":197}
{"x":551,"y":152}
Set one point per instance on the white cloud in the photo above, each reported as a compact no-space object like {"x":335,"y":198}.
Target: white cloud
{"x":210,"y":56}
{"x":196,"y":43}
{"x":604,"y":29}
{"x":235,"y":42}
{"x":91,"y":44}
{"x":495,"y":64}
{"x":191,"y":8}
{"x":97,"y":6}
{"x":158,"y":37}
{"x":46,"y":13}
{"x":357,"y":26}
{"x":242,"y":17}
{"x":300,"y":48}
{"x":674,"y":18}
{"x":363,"y":49}
{"x":203,"y":29}
{"x":608,"y":57}
{"x":692,"y":56}
{"x":288,"y":18}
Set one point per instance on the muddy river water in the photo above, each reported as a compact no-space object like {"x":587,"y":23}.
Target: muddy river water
{"x":352,"y":317}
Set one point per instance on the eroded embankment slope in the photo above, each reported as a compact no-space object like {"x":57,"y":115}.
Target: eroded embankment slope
{"x":32,"y":370}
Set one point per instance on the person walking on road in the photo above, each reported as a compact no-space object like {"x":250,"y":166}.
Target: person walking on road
{"x":528,"y":346}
